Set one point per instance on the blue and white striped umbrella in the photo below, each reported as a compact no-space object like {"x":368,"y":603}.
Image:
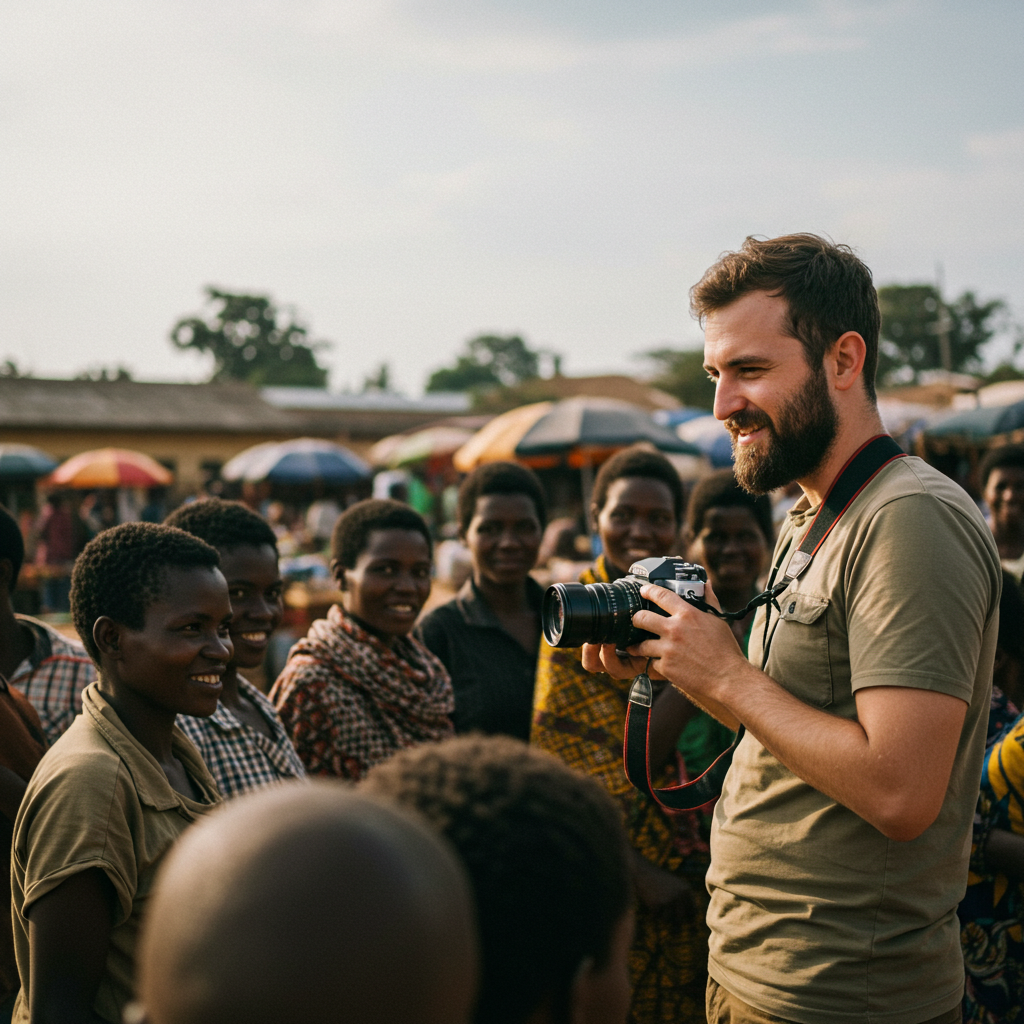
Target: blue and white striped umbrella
{"x":305,"y":460}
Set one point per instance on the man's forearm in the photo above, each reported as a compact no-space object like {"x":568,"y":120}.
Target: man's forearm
{"x":869,"y":767}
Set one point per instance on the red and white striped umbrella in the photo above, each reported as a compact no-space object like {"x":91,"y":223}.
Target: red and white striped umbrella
{"x":109,"y":467}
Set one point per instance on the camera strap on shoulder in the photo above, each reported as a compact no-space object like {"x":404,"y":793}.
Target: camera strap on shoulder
{"x":859,"y":471}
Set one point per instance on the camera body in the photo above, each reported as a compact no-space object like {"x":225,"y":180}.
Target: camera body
{"x":602,"y":613}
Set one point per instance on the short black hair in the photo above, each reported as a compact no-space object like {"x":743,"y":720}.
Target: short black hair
{"x":12,"y":544}
{"x":355,"y":524}
{"x":1011,"y":617}
{"x":720,"y":490}
{"x":1009,"y":455}
{"x":122,"y":572}
{"x":639,"y":461}
{"x":223,"y":524}
{"x":546,"y":853}
{"x":500,"y":478}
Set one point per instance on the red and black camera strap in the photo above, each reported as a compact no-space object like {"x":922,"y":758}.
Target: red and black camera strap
{"x":859,"y":471}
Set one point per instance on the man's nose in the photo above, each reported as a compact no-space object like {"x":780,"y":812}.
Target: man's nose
{"x":728,"y":399}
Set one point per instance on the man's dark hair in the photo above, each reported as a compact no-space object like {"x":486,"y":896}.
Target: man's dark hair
{"x":827,"y":288}
{"x":123,"y":570}
{"x":223,"y":524}
{"x":354,"y":526}
{"x":639,"y":461}
{"x":12,"y":544}
{"x":499,"y":478}
{"x":1010,"y":456}
{"x":546,"y":854}
{"x":720,"y":490}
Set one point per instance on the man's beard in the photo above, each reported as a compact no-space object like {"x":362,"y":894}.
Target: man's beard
{"x":795,"y":445}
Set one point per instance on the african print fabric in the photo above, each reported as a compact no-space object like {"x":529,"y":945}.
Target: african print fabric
{"x":349,"y":699}
{"x":580,"y":718}
{"x":992,"y":910}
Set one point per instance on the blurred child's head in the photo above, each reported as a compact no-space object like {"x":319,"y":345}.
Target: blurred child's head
{"x":381,"y":553}
{"x":248,"y":559}
{"x":151,"y":606}
{"x":548,"y":859}
{"x":308,"y":903}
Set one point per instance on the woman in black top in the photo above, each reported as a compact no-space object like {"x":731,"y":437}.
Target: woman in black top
{"x":489,"y":634}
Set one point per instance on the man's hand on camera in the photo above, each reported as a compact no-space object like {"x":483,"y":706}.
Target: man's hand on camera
{"x":694,"y":650}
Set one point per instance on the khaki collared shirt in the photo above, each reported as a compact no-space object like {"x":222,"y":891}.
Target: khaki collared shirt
{"x":815,"y":915}
{"x":99,"y":799}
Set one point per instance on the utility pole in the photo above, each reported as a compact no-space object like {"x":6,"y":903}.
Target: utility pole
{"x":943,"y":323}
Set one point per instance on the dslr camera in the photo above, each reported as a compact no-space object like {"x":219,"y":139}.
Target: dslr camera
{"x":602,"y":613}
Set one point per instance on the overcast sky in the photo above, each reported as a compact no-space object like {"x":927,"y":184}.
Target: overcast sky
{"x":411,"y":174}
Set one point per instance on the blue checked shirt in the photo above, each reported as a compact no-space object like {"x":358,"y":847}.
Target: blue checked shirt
{"x":239,"y":757}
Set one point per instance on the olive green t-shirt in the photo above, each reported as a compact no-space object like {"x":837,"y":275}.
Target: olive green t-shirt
{"x":815,"y":916}
{"x":99,"y":799}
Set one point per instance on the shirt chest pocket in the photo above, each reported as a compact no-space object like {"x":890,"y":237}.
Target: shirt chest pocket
{"x":800,"y":649}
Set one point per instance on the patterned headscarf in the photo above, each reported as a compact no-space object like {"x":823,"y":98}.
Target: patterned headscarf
{"x":349,"y":699}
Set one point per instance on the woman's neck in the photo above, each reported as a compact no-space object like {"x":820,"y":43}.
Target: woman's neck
{"x":504,"y":599}
{"x":153,"y":727}
{"x":229,"y":695}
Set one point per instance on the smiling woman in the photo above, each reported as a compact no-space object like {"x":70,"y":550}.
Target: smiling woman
{"x":580,"y":717}
{"x":359,"y":687}
{"x":243,"y":742}
{"x":121,"y":784}
{"x":488,"y":636}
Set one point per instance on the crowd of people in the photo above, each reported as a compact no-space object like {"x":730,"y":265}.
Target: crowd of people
{"x":428,"y":818}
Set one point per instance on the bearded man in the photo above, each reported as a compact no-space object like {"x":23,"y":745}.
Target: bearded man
{"x":841,"y":841}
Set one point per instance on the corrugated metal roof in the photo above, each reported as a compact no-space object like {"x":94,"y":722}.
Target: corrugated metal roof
{"x":27,"y":402}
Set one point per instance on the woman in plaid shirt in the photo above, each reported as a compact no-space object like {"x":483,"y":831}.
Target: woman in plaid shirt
{"x":243,"y":743}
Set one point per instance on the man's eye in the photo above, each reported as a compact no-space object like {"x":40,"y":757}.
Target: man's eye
{"x":236,"y":592}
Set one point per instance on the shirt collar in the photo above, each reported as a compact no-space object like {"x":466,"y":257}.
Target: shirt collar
{"x":477,"y":612}
{"x":150,"y":781}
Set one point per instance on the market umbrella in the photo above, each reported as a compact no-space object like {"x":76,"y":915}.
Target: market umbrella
{"x":419,"y":446}
{"x":597,"y":425}
{"x":305,"y":460}
{"x":979,"y":424}
{"x":711,"y":437}
{"x":496,"y":441}
{"x":24,"y":461}
{"x":109,"y":467}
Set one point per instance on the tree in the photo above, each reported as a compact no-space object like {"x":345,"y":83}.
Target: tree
{"x":917,"y":326}
{"x":252,"y":340}
{"x":681,"y":373}
{"x":489,"y":361}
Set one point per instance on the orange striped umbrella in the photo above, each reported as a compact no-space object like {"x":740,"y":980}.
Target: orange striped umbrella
{"x":109,"y":467}
{"x":496,"y":442}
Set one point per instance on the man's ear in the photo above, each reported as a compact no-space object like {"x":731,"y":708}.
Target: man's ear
{"x":848,"y":355}
{"x":338,"y":572}
{"x":106,"y":634}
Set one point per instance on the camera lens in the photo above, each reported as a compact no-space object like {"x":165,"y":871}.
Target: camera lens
{"x":595,"y":613}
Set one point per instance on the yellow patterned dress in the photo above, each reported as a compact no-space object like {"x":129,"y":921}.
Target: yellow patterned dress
{"x":580,"y":718}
